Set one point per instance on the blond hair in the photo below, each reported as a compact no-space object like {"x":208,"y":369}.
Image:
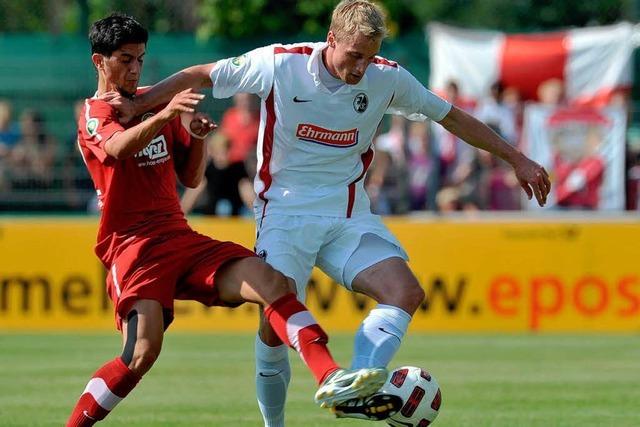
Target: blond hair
{"x":358,"y":16}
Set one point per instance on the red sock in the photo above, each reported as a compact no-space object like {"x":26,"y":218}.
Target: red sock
{"x":298,"y":329}
{"x":108,"y":386}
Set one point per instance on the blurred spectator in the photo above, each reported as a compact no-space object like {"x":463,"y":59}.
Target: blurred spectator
{"x":451,"y":151}
{"x":423,"y":179}
{"x":9,"y":130}
{"x":9,"y":135}
{"x":498,"y":116}
{"x":504,"y":188}
{"x":448,"y":200}
{"x":578,"y":165}
{"x":73,"y":174}
{"x":512,"y":100}
{"x":471,"y":177}
{"x":33,"y":156}
{"x":226,"y":184}
{"x":241,"y":124}
{"x":231,"y":151}
{"x":551,"y":92}
{"x":388,"y":181}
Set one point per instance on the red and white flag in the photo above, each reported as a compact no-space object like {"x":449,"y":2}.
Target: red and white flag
{"x":593,"y":63}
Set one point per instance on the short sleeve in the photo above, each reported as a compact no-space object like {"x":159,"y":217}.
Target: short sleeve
{"x":250,"y":73}
{"x":412,"y":100}
{"x":98,"y":123}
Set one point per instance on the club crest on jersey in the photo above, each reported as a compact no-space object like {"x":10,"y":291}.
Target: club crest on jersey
{"x":333,"y":138}
{"x":360,"y":102}
{"x":92,"y":126}
{"x":146,"y":116}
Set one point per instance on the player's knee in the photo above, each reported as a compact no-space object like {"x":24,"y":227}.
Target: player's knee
{"x":273,"y":285}
{"x":144,"y":356}
{"x":405,"y":295}
{"x":413,"y":297}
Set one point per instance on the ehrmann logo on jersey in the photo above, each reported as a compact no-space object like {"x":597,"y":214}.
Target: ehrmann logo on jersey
{"x":332,"y":138}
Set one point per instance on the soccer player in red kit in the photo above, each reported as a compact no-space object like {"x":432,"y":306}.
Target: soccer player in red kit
{"x":152,"y":255}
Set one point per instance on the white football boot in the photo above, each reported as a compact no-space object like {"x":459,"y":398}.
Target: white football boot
{"x":345,"y":384}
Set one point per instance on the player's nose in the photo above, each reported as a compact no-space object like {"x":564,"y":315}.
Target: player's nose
{"x":135,"y":68}
{"x":361,"y":66}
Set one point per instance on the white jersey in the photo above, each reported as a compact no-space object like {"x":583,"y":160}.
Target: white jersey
{"x":314,"y":145}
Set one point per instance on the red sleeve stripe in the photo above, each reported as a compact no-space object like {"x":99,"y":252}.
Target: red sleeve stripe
{"x":303,"y":50}
{"x":383,"y":61}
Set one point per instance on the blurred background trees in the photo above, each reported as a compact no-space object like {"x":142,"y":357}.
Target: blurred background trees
{"x":254,"y":18}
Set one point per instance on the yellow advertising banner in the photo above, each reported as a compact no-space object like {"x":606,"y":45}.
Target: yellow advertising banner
{"x":478,"y":276}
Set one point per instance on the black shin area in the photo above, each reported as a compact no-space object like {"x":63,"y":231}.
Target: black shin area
{"x":132,"y":337}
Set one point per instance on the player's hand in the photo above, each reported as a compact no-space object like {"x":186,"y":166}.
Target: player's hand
{"x":182,"y":102}
{"x":125,"y":106}
{"x":201,"y":125}
{"x":533,"y":179}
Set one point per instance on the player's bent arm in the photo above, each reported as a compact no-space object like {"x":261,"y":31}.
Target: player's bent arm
{"x":476,"y":133}
{"x":532,"y":177}
{"x":130,"y":141}
{"x":191,"y":196}
{"x":195,"y":77}
{"x":190,"y":171}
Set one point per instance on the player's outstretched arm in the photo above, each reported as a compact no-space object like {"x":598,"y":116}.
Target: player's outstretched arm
{"x":533,"y":178}
{"x":130,"y":141}
{"x":195,"y":77}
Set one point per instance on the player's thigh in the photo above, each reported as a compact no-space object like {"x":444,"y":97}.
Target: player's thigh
{"x":250,"y":280}
{"x":290,"y":244}
{"x":147,"y":270}
{"x":358,"y":244}
{"x":210,"y":274}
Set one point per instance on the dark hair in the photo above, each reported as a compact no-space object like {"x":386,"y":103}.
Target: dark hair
{"x":109,"y":34}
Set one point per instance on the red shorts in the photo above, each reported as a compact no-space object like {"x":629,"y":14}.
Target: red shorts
{"x":180,"y":265}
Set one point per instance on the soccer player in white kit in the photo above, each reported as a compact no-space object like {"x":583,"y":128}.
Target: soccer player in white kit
{"x":321,"y":105}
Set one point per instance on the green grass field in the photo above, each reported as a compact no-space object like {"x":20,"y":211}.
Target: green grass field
{"x":207,"y":380}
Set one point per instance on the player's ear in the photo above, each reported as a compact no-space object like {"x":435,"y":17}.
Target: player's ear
{"x":331,"y":39}
{"x":98,"y":61}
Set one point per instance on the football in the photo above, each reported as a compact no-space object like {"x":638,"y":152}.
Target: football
{"x":420,"y":394}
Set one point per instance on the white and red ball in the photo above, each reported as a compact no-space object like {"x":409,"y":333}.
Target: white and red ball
{"x":420,"y":394}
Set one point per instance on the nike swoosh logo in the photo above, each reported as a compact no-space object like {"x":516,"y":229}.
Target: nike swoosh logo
{"x":86,"y":414}
{"x":296,"y":99}
{"x":269,"y":375}
{"x":390,"y":333}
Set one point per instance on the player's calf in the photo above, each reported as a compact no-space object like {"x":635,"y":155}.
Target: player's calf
{"x":107,"y":387}
{"x":115,"y":379}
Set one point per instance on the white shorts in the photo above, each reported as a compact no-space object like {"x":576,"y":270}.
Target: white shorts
{"x":341,"y":247}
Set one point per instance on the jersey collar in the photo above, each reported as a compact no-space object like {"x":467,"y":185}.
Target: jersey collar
{"x":313,"y":67}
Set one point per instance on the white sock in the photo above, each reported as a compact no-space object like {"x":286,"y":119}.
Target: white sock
{"x":272,"y":379}
{"x":379,"y":336}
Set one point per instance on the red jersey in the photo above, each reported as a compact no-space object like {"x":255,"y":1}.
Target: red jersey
{"x":137,"y":195}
